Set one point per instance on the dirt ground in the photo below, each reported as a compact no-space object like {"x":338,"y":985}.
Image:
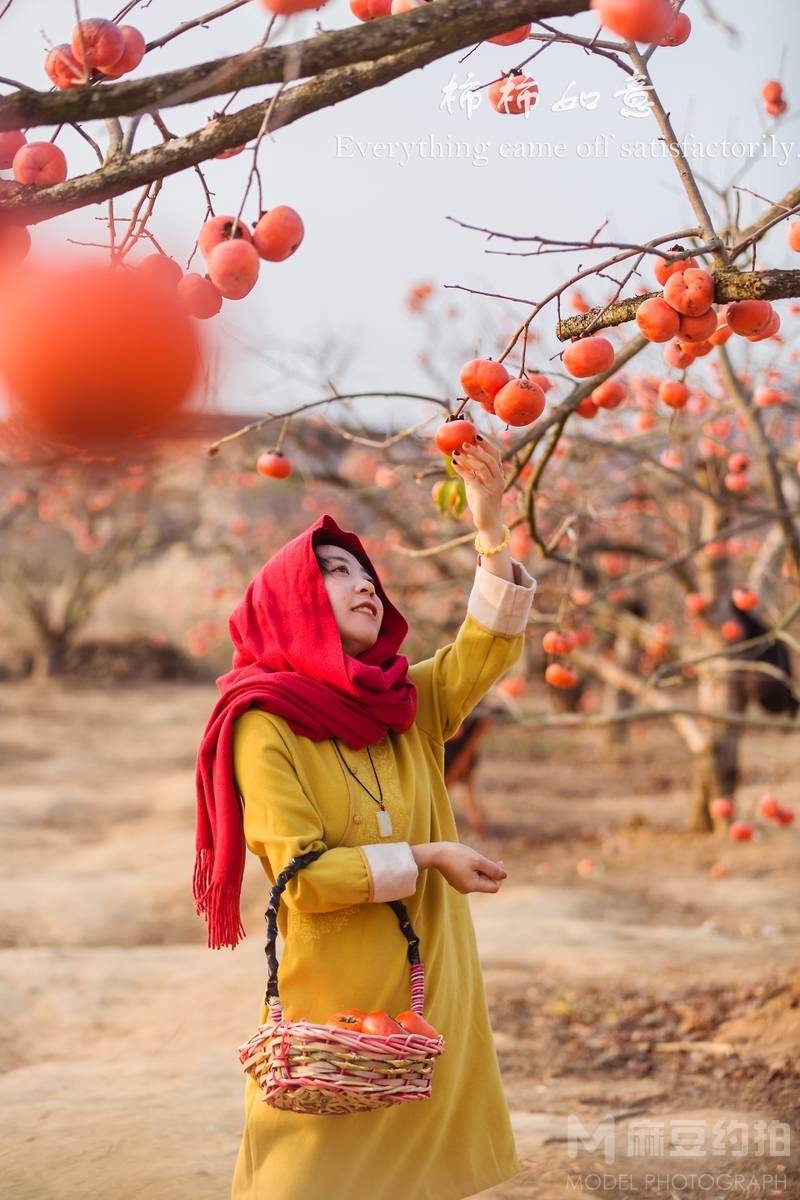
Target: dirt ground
{"x":647,"y":1015}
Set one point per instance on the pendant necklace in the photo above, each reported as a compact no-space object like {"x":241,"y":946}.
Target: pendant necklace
{"x":384,"y":818}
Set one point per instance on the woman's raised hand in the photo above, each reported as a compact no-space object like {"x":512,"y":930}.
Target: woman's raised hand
{"x":481,"y":468}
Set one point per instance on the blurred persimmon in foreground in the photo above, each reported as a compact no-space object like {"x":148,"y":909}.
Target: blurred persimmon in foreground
{"x":91,"y":354}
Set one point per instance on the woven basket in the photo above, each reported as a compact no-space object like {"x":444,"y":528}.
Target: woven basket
{"x":326,"y":1070}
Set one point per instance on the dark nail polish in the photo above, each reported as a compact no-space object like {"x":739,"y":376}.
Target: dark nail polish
{"x":456,"y":453}
{"x":480,"y":439}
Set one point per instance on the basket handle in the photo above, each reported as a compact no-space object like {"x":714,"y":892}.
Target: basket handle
{"x":297,"y":864}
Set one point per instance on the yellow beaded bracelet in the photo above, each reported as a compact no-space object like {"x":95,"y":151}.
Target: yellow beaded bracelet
{"x":494,"y":549}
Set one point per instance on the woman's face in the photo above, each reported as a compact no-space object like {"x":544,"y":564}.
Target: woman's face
{"x":349,"y":585}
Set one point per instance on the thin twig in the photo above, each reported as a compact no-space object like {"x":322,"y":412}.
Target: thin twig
{"x":206,"y":19}
{"x":625,"y":716}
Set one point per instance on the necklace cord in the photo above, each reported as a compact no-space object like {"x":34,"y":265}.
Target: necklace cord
{"x":355,"y":776}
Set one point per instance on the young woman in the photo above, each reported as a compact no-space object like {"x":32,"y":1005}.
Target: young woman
{"x":325,"y":738}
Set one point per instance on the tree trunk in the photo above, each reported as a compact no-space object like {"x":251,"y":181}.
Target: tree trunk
{"x":49,"y":654}
{"x":626,"y":653}
{"x":716,"y":773}
{"x":716,"y":767}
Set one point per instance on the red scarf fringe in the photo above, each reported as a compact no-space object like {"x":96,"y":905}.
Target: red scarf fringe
{"x":218,"y":902}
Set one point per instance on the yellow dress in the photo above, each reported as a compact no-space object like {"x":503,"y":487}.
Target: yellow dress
{"x":342,"y":949}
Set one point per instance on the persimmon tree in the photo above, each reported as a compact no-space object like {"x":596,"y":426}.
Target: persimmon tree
{"x":72,"y":531}
{"x":69,"y":535}
{"x":662,"y":501}
{"x":659,"y":577}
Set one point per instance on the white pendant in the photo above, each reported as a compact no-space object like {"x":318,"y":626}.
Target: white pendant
{"x":384,"y":823}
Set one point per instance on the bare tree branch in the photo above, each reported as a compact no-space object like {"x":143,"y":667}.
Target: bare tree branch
{"x":775,"y":213}
{"x":752,"y":417}
{"x":206,"y":19}
{"x":681,"y":162}
{"x":449,"y":24}
{"x":671,"y":712}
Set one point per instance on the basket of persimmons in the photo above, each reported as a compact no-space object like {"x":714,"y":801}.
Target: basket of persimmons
{"x":354,"y":1061}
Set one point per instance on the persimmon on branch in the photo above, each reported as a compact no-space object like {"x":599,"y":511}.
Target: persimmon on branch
{"x":730,"y":286}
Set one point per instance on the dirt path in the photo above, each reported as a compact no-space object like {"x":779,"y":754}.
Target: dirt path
{"x":119,"y":1028}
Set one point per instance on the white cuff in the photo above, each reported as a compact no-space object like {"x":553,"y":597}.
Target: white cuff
{"x":500,"y":606}
{"x":393,"y":870}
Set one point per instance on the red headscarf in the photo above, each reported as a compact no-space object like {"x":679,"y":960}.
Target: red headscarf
{"x":289,"y":659}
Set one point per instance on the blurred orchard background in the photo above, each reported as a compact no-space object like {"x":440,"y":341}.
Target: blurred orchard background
{"x":641,"y":959}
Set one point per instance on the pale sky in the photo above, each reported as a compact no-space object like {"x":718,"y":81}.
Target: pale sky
{"x":375,"y":211}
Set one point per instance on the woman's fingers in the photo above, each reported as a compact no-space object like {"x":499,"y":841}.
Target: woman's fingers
{"x":476,"y":457}
{"x":488,"y":455}
{"x":487,"y":448}
{"x":485,"y":883}
{"x":490,"y":448}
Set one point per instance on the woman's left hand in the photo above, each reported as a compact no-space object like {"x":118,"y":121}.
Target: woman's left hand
{"x":481,"y":468}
